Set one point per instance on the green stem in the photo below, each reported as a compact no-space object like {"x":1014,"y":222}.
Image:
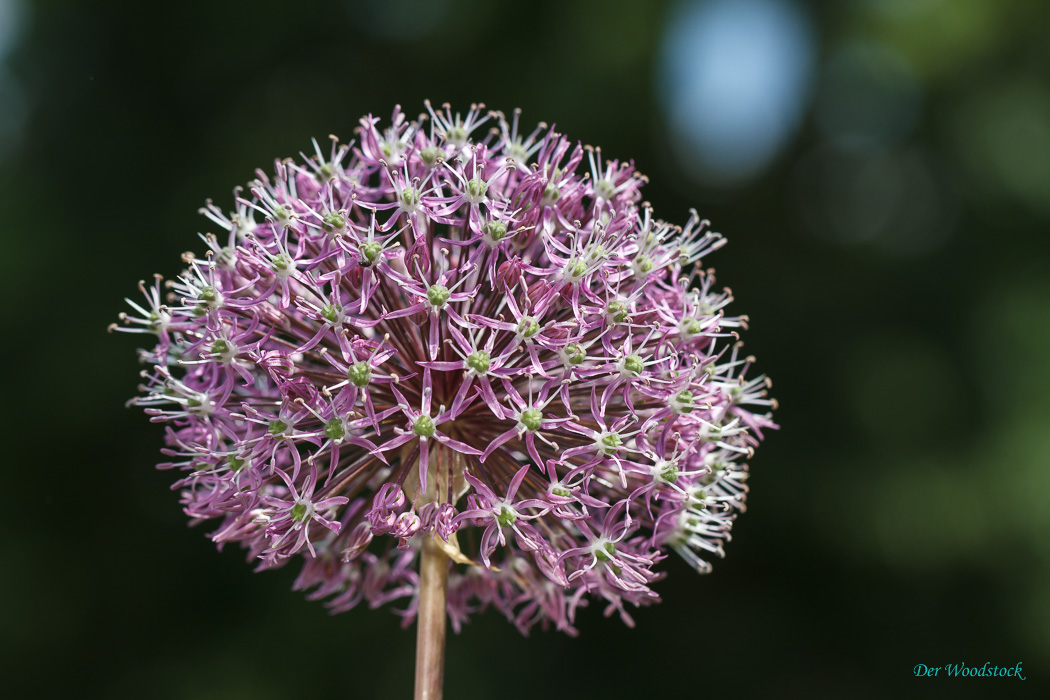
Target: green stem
{"x":430,"y":621}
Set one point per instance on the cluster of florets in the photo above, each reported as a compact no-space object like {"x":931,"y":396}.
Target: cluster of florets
{"x":430,"y":334}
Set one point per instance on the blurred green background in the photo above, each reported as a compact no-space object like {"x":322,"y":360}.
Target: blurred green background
{"x":882,"y":171}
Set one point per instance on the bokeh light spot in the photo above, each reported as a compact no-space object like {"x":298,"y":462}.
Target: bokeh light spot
{"x":735,"y":81}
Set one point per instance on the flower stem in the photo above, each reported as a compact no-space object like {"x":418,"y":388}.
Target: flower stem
{"x":430,"y":620}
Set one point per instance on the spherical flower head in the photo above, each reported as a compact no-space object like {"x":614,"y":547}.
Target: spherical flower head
{"x":444,"y":332}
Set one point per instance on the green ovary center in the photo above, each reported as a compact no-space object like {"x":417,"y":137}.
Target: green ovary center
{"x":438,"y":295}
{"x":531,"y":418}
{"x":479,"y":361}
{"x":506,"y":517}
{"x":424,"y":426}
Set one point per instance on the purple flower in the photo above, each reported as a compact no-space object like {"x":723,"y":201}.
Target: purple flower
{"x":495,"y":514}
{"x":290,"y":519}
{"x":442,"y":331}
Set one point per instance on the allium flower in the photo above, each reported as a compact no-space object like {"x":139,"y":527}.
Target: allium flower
{"x":449,"y":334}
